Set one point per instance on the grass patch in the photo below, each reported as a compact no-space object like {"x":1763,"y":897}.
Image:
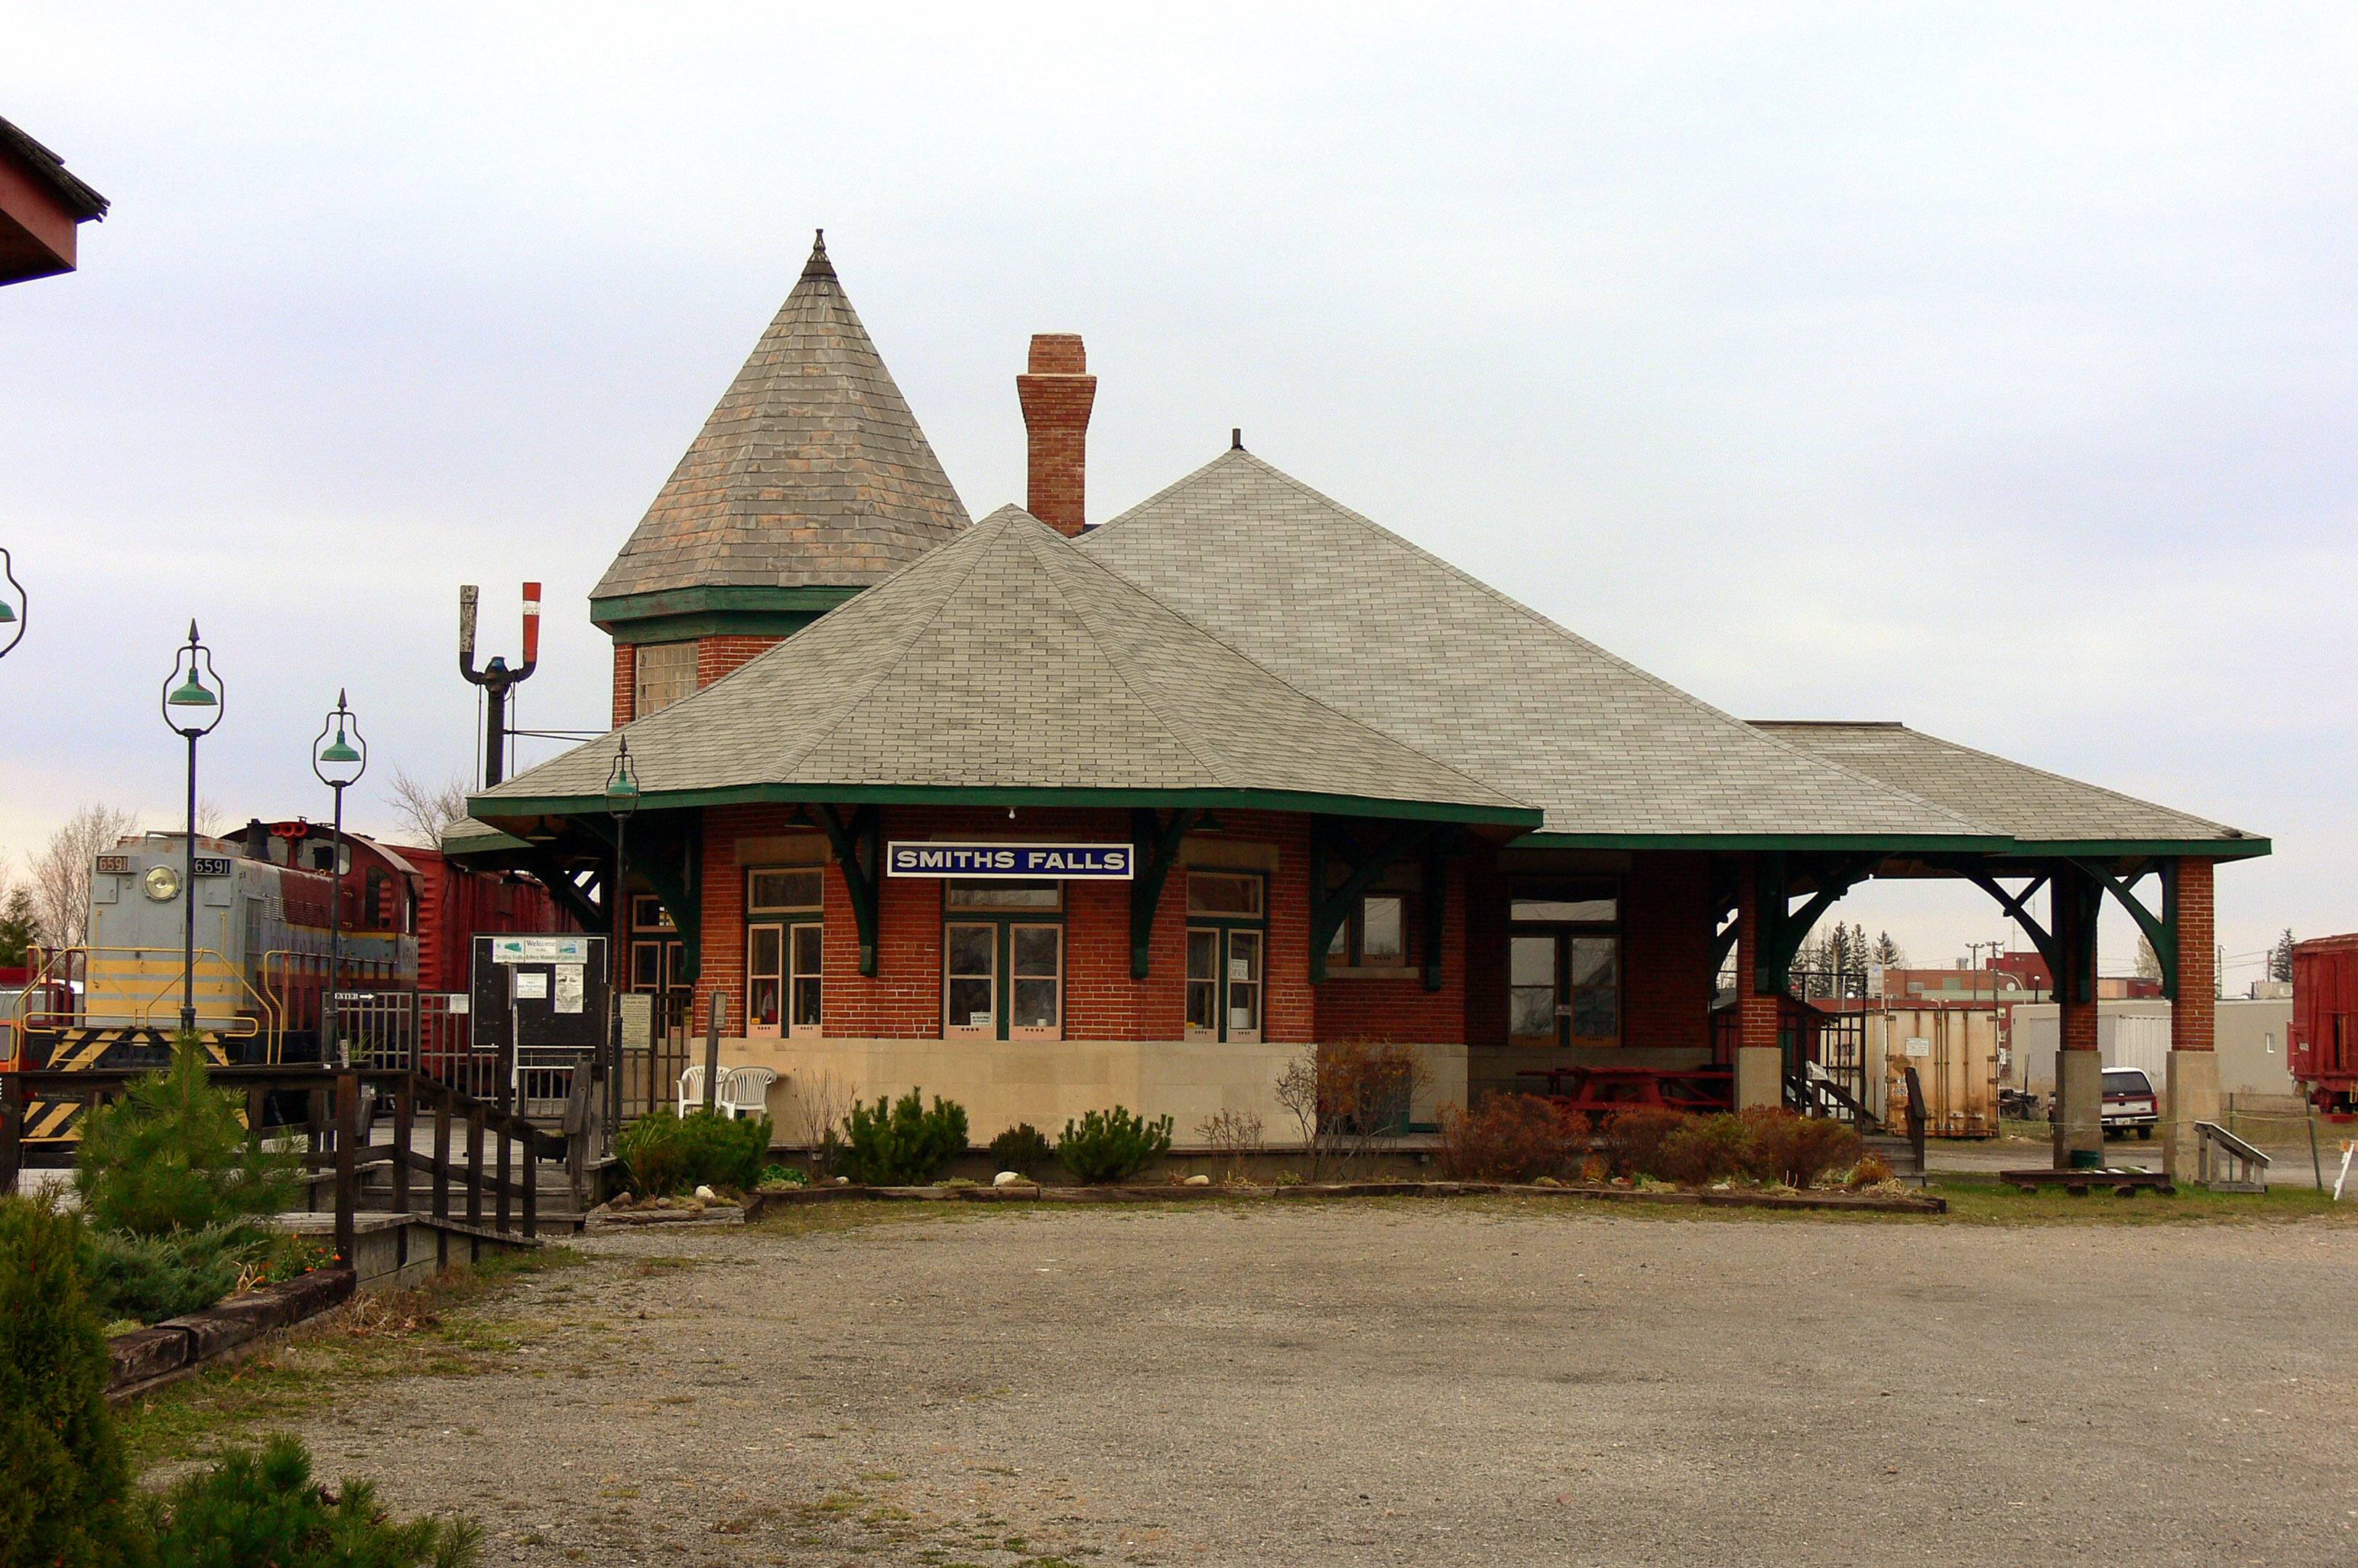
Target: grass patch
{"x":1992,"y":1202}
{"x":430,"y":1330}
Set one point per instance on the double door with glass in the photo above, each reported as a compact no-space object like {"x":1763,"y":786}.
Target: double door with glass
{"x":1565,"y":988}
{"x":1223,"y":981}
{"x":783,"y":979}
{"x":1003,"y":979}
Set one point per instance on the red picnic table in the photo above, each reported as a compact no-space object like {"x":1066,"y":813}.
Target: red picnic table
{"x":1615,"y":1088}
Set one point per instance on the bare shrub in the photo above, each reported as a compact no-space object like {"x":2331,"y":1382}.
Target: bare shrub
{"x":1633,"y":1139}
{"x":1872,"y":1169}
{"x":821,"y":1102}
{"x":1235,"y":1136}
{"x":1704,"y":1149}
{"x":1796,"y":1149}
{"x":1512,"y":1138}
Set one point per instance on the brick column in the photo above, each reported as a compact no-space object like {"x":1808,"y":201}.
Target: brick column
{"x":2191,"y":1094}
{"x":2079,"y":1068}
{"x":1760,"y":1062}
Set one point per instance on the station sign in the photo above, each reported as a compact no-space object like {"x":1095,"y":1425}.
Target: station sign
{"x":1011,"y":862}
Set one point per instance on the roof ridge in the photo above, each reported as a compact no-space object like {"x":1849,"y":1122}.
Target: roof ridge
{"x":1211,"y":766}
{"x":1312,"y":697}
{"x":1238,"y":454}
{"x":2043,"y":773}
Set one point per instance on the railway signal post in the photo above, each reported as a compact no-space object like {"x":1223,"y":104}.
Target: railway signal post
{"x":193,"y":709}
{"x":495,"y":677}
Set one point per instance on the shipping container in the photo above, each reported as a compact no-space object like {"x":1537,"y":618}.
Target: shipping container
{"x":2324,"y":1035}
{"x":1954,"y":1052}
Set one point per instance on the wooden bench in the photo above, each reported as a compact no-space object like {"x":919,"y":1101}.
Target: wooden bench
{"x":2079,"y":1184}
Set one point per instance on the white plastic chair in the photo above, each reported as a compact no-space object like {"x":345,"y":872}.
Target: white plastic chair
{"x":691,"y":1088}
{"x":745,"y":1091}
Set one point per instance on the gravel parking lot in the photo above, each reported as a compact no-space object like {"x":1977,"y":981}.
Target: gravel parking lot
{"x":1408,"y":1382}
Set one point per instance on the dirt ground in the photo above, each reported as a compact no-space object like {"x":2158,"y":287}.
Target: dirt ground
{"x":1410,"y":1383}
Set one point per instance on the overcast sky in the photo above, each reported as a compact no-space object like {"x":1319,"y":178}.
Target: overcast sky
{"x":1988,"y":369}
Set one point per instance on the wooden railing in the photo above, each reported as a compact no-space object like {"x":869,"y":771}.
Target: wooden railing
{"x":335,"y":1142}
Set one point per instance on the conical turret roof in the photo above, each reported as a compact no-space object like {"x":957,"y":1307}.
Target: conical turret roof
{"x":811,"y":471}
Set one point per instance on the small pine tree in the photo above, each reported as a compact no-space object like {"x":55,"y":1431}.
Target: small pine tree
{"x":2280,"y":957}
{"x":2149,"y":962}
{"x":62,"y":1476}
{"x":1888,"y":953}
{"x":20,"y":927}
{"x":173,"y":1155}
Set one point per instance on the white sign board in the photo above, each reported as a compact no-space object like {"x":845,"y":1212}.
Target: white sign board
{"x":540,"y":950}
{"x":531,"y":987}
{"x":568,"y":987}
{"x":457,"y":1005}
{"x":1919,"y":1046}
{"x":638,"y":1020}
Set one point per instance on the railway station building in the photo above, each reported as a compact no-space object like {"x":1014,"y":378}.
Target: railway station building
{"x":1046,"y":816}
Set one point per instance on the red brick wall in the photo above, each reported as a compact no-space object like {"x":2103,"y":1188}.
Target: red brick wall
{"x":717,"y":657}
{"x":1353,"y":1006}
{"x":2193,"y":1015}
{"x":1668,"y":977}
{"x":903,"y":1000}
{"x":1755,"y":1014}
{"x":626,"y":668}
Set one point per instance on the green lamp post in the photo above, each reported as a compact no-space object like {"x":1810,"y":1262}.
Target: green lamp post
{"x":621,"y":799}
{"x":193,"y":709}
{"x":12,"y":616}
{"x":339,"y":764}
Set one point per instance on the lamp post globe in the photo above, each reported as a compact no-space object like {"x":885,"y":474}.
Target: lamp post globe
{"x":195,"y":696}
{"x":338,"y":764}
{"x":15,"y":608}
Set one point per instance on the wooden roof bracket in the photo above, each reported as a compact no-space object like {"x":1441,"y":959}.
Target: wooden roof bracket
{"x":1157,"y":847}
{"x":2161,"y":930}
{"x":859,"y":852}
{"x":1328,"y":911}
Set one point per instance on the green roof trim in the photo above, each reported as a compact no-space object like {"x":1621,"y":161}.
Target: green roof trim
{"x":1993,"y":844}
{"x":511,"y":809}
{"x":676,"y":614}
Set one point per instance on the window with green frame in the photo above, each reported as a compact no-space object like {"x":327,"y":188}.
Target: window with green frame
{"x":1228,"y":943}
{"x":1002,"y":960}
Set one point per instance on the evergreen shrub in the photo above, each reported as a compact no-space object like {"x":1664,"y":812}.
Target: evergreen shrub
{"x":664,"y":1152}
{"x":1112,"y":1146}
{"x":1704,"y":1149}
{"x":152,"y":1278}
{"x":62,"y":1476}
{"x":173,"y":1155}
{"x":263,"y":1509}
{"x":1023,"y":1148}
{"x":1796,"y":1149}
{"x":901,"y":1144}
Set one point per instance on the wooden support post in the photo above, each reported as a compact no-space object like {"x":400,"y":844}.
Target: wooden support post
{"x":441,"y":1156}
{"x":347,"y":1130}
{"x":315,"y":1128}
{"x":507,"y":1167}
{"x":475,"y":1162}
{"x":404,"y":1125}
{"x":530,"y":1142}
{"x":712,"y":1049}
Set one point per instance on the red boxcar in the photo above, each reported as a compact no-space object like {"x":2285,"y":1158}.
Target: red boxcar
{"x":2323,"y":1045}
{"x":455,"y":905}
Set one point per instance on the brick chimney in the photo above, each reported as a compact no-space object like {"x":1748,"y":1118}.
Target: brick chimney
{"x":1056,"y":393}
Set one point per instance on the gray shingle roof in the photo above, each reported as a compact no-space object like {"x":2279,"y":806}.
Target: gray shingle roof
{"x":2025,"y":802}
{"x":1366,"y":621}
{"x":811,"y":471}
{"x":1005,"y":660}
